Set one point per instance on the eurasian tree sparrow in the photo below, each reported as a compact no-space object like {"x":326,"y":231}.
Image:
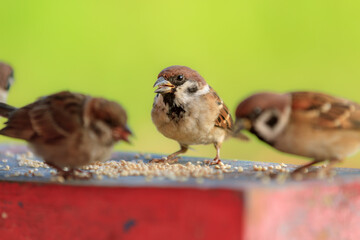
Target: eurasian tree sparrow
{"x":6,"y":80}
{"x":68,"y":129}
{"x":309,"y":124}
{"x":189,"y":111}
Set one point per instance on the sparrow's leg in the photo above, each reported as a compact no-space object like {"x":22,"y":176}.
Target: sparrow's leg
{"x":70,"y":173}
{"x":61,"y":172}
{"x":328,"y":167}
{"x":321,"y":172}
{"x":171,"y":157}
{"x":303,"y":167}
{"x":88,"y":176}
{"x":216,"y":160}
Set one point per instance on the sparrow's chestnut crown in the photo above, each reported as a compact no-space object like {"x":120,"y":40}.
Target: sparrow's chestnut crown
{"x":257,"y":103}
{"x":174,"y":76}
{"x":113,"y":115}
{"x":177,"y":75}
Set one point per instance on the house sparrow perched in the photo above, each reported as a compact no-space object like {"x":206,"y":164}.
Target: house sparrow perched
{"x":309,"y":124}
{"x":68,"y":129}
{"x":6,"y":80}
{"x":189,"y":111}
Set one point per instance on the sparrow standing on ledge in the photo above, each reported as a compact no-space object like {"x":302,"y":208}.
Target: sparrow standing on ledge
{"x":309,"y":124}
{"x":6,"y":80}
{"x":189,"y":111}
{"x":68,"y":129}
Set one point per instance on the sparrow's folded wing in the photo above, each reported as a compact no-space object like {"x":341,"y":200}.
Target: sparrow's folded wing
{"x":325,"y":111}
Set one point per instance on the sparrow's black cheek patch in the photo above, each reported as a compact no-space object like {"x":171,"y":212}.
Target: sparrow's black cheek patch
{"x":96,"y":130}
{"x":272,"y":121}
{"x":192,"y":89}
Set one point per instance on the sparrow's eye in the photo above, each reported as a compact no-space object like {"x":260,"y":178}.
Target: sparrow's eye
{"x":257,"y":110}
{"x":180,"y":77}
{"x":255,"y":113}
{"x":108,"y":121}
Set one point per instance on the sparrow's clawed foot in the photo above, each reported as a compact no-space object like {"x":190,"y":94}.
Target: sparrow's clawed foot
{"x":172,"y":158}
{"x":75,"y":173}
{"x":303,"y":172}
{"x":164,"y":160}
{"x":215,"y":161}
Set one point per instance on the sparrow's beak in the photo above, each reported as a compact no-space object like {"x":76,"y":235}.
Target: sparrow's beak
{"x":121,"y":133}
{"x":242,"y":123}
{"x":163,"y":85}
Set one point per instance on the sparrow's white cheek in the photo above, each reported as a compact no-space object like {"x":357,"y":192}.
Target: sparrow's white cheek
{"x":203,"y":91}
{"x":3,"y":95}
{"x":267,"y":132}
{"x":189,"y":91}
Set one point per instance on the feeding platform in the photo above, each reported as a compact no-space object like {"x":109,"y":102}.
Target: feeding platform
{"x":233,"y":205}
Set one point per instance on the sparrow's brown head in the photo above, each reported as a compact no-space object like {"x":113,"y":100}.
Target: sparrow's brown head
{"x":113,"y":115}
{"x":265,"y":114}
{"x":6,"y":80}
{"x":172,"y":78}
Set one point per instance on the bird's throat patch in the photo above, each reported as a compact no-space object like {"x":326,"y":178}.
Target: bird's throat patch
{"x":176,"y":112}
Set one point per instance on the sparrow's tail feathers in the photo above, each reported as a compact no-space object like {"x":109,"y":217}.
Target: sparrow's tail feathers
{"x":6,"y":110}
{"x":240,"y":135}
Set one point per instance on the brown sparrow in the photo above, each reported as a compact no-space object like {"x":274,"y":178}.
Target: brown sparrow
{"x":6,"y":80}
{"x":189,"y":111}
{"x":309,"y":124}
{"x":68,"y":130}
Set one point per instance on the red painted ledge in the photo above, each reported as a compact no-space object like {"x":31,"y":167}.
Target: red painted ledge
{"x":238,"y":207}
{"x":77,"y":212}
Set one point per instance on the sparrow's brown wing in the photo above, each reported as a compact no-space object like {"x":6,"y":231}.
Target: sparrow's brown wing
{"x":326,"y":111}
{"x":49,"y":118}
{"x":224,"y":119}
{"x":19,"y":125}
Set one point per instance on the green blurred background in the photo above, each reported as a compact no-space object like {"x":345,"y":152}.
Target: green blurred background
{"x":116,"y":49}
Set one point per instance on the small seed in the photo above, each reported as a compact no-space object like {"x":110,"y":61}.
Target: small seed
{"x":4,"y":215}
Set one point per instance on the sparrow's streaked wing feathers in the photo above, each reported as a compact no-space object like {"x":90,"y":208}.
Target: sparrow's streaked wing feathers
{"x":224,"y":119}
{"x":44,"y":124}
{"x":327,"y":111}
{"x":20,"y":125}
{"x":52,"y":117}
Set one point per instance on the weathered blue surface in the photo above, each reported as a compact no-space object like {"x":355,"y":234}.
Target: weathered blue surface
{"x":247,"y":178}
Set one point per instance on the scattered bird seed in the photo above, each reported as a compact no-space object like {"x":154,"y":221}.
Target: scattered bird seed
{"x":177,"y":172}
